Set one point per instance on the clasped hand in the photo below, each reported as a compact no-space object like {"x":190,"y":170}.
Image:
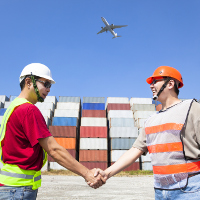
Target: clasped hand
{"x":95,"y":178}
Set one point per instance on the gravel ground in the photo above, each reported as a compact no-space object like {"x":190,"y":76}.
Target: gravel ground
{"x":117,"y":188}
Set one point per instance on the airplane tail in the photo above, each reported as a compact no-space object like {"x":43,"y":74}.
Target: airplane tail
{"x":116,"y":36}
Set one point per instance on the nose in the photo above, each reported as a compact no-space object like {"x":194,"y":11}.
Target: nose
{"x":151,"y":85}
{"x":48,"y":90}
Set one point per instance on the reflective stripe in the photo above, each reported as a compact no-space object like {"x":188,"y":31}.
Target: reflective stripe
{"x":16,"y":175}
{"x":163,"y":127}
{"x":175,"y":169}
{"x":37,"y":178}
{"x":24,"y":176}
{"x":168,"y":147}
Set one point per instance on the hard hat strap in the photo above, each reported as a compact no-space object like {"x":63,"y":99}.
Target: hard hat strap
{"x":161,"y":89}
{"x":39,"y":98}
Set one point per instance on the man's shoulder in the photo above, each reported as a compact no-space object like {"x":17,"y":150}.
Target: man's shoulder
{"x":26,"y":107}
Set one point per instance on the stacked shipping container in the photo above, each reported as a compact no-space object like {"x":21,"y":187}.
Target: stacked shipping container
{"x":3,"y":99}
{"x":142,"y":108}
{"x":122,"y":132}
{"x":65,"y":127}
{"x":93,"y":133}
{"x":47,"y":108}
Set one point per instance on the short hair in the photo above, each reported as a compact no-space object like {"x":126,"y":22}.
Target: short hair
{"x":176,"y":84}
{"x":22,"y":84}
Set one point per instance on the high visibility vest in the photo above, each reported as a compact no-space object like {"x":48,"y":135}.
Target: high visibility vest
{"x":12,"y":175}
{"x":166,"y":148}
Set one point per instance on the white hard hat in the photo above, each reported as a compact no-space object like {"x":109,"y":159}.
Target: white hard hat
{"x":36,"y":69}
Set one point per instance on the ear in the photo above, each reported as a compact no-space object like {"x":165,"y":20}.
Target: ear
{"x":28,"y":81}
{"x":171,"y":84}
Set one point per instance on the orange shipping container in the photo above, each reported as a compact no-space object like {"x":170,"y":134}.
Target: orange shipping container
{"x":67,"y":143}
{"x":91,"y":165}
{"x":93,"y":155}
{"x":133,"y":167}
{"x":93,"y":113}
{"x":93,"y":132}
{"x":118,"y":106}
{"x":63,"y":131}
{"x":71,"y":151}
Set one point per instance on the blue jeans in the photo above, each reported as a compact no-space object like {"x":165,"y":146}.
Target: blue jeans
{"x":190,"y":192}
{"x":17,"y":193}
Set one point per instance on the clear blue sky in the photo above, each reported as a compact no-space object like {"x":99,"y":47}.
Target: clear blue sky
{"x":62,"y":34}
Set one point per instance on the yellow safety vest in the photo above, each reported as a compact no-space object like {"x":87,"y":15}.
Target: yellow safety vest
{"x":12,"y":175}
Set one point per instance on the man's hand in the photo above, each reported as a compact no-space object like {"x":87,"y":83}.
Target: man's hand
{"x":96,"y":181}
{"x":100,"y":175}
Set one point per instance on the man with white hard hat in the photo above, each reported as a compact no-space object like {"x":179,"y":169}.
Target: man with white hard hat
{"x":172,"y":138}
{"x":26,"y":140}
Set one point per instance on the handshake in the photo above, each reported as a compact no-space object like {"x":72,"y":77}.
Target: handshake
{"x":95,"y":178}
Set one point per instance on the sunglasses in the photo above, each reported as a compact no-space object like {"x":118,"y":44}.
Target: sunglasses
{"x":47,"y":84}
{"x":156,"y":80}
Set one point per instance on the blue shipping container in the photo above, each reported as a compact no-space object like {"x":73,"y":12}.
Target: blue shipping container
{"x":122,"y":143}
{"x":65,"y":121}
{"x":93,"y":106}
{"x":2,"y":111}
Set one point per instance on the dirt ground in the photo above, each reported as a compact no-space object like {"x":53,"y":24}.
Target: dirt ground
{"x":117,"y":188}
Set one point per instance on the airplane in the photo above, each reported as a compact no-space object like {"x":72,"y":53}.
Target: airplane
{"x":110,"y":28}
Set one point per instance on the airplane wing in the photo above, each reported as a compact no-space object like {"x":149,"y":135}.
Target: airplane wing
{"x":112,"y":26}
{"x":102,"y":30}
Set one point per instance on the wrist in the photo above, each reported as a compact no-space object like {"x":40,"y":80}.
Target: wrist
{"x":85,"y":174}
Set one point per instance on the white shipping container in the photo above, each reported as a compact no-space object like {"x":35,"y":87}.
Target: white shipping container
{"x":143,"y":114}
{"x":66,"y":113}
{"x":56,"y":166}
{"x":123,"y":132}
{"x":1,"y":117}
{"x":12,"y":97}
{"x":117,"y":100}
{"x":116,"y":154}
{"x":121,"y":122}
{"x":45,"y":167}
{"x":47,"y":113}
{"x":45,"y":106}
{"x":143,"y":107}
{"x":3,"y":98}
{"x":120,"y":114}
{"x":140,"y":101}
{"x":50,"y":99}
{"x":68,"y":106}
{"x":147,"y":166}
{"x":93,"y":143}
{"x":1,"y":105}
{"x":6,"y":104}
{"x":93,"y":99}
{"x":93,"y":121}
{"x":69,"y":99}
{"x":140,"y":122}
{"x":48,"y":121}
{"x":146,"y":158}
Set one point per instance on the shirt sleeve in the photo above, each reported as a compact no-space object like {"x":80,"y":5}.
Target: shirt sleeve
{"x":140,"y":142}
{"x":34,"y":125}
{"x":196,"y":110}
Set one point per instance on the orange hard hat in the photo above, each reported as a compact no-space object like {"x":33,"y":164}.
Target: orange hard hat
{"x":166,"y":71}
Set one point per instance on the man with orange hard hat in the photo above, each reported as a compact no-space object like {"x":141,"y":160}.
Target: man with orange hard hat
{"x":172,"y":138}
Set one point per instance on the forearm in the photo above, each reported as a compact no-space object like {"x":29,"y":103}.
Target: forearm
{"x":124,"y":161}
{"x":64,"y":158}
